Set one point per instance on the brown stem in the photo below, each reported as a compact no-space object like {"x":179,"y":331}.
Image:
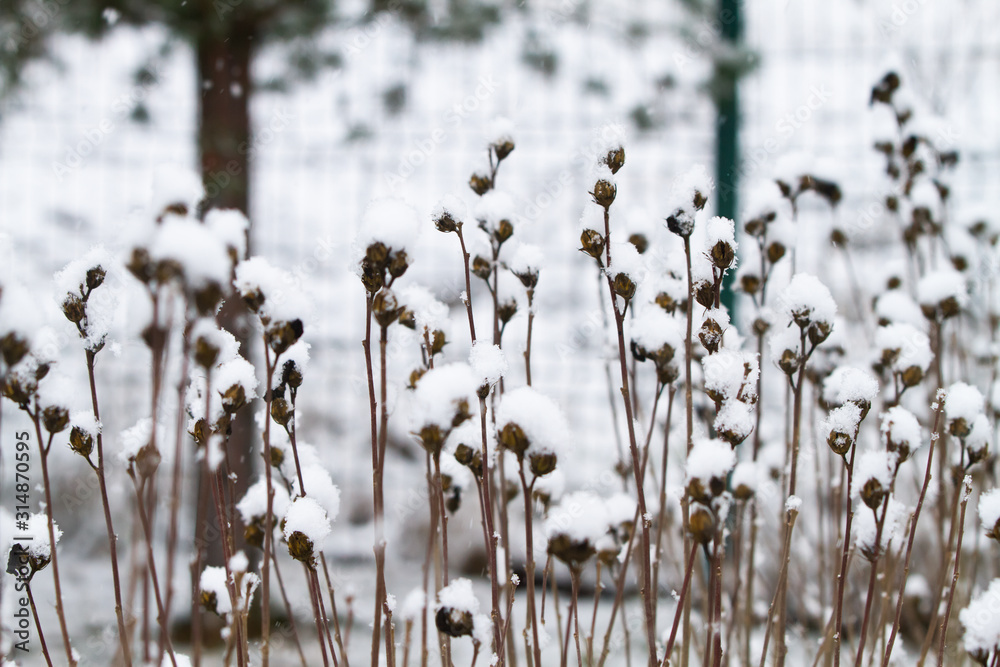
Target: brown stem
{"x":619,"y":594}
{"x":151,"y":561}
{"x":108,"y":523}
{"x":527,"y":348}
{"x":60,"y":612}
{"x":935,"y":434}
{"x":954,"y":577}
{"x":265,"y":587}
{"x":648,"y":595}
{"x":689,"y":416}
{"x":38,"y":625}
{"x":872,"y":577}
{"x":838,"y":604}
{"x":783,"y":573}
{"x":685,"y":587}
{"x":529,"y":563}
{"x":468,"y":284}
{"x":288,"y":608}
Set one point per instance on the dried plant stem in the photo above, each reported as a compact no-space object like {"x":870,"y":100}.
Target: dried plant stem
{"x":491,"y":537}
{"x":265,"y":587}
{"x":781,"y":648}
{"x":943,"y":631}
{"x":619,"y":594}
{"x":935,"y":435}
{"x":288,"y":608}
{"x":378,"y":503}
{"x":838,"y":604}
{"x":689,"y":422}
{"x":872,"y":577}
{"x":47,"y":490}
{"x":782,"y":575}
{"x":661,"y":520}
{"x":468,"y":284}
{"x":527,"y":348}
{"x":175,"y":477}
{"x":106,"y":506}
{"x":685,"y":588}
{"x":646,"y":576}
{"x":314,"y":600}
{"x":38,"y":625}
{"x":151,"y":564}
{"x":529,"y":563}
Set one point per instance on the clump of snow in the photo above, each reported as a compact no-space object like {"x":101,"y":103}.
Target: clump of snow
{"x":501,"y":130}
{"x":731,"y":373}
{"x":429,"y":314}
{"x":488,"y":363}
{"x":206,"y":329}
{"x":745,"y":476}
{"x":538,"y":416}
{"x":806,"y":300}
{"x":452,"y":207}
{"x":482,"y":629}
{"x":440,"y":394}
{"x":734,"y":421}
{"x":608,"y":138}
{"x":295,"y":358}
{"x":213,"y":581}
{"x":709,"y":459}
{"x":495,"y":207}
{"x":458,"y":596}
{"x":320,"y":487}
{"x":134,"y":439}
{"x":527,"y":260}
{"x":86,"y":422}
{"x":694,"y":182}
{"x":793,"y":504}
{"x":308,"y":517}
{"x":866,"y":528}
{"x":413,"y":605}
{"x":939,"y":287}
{"x":282,"y":300}
{"x":847,"y":384}
{"x":963,"y":401}
{"x":844,"y":420}
{"x":389,"y":221}
{"x":253,"y":505}
{"x":872,"y":465}
{"x":654,"y":330}
{"x":230,"y":226}
{"x":592,"y":218}
{"x":203,"y":258}
{"x":900,"y":428}
{"x":981,"y":620}
{"x":625,"y":259}
{"x":174,"y":186}
{"x":581,"y":516}
{"x":912,"y":347}
{"x":896,"y":307}
{"x":989,"y":509}
{"x":36,"y":537}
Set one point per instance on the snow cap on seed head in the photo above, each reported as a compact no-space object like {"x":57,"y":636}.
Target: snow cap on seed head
{"x":532,"y":426}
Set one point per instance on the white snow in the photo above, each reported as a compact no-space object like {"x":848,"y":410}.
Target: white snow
{"x":896,"y":306}
{"x":652,"y":329}
{"x":253,"y":504}
{"x":873,"y":464}
{"x":683,"y":189}
{"x":320,"y":487}
{"x":865,"y":528}
{"x":133,"y":439}
{"x":283,"y":300}
{"x":989,"y":509}
{"x":229,"y":226}
{"x":308,"y":517}
{"x":389,"y":221}
{"x":439,"y":394}
{"x":493,"y":208}
{"x":900,"y":426}
{"x":745,"y":474}
{"x":413,"y":605}
{"x":725,"y":374}
{"x":428,"y":313}
{"x":488,"y":362}
{"x":806,"y":299}
{"x":963,"y":401}
{"x":458,"y":596}
{"x":913,"y":346}
{"x":735,"y":420}
{"x":709,"y":459}
{"x":848,"y":384}
{"x":581,"y":516}
{"x":173,"y":185}
{"x":539,"y":417}
{"x":981,"y":620}
{"x":939,"y":286}
{"x":213,"y":580}
{"x":608,"y":138}
{"x":202,"y":257}
{"x":527,"y":259}
{"x":720,"y":229}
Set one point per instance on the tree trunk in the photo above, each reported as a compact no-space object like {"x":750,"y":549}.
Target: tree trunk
{"x":224,"y":50}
